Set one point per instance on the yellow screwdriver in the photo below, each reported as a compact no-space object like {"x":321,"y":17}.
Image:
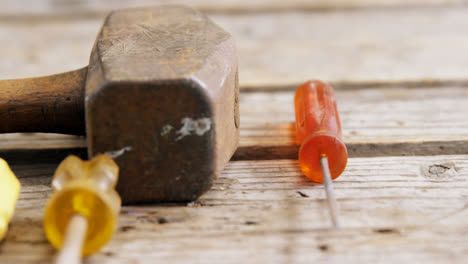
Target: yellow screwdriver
{"x":82,"y":213}
{"x":9,"y":191}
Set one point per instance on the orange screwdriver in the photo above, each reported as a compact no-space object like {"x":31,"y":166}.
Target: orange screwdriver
{"x":322,"y":155}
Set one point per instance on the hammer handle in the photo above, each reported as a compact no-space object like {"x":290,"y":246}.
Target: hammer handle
{"x":51,"y":104}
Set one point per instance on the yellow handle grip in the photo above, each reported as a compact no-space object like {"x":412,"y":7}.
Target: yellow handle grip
{"x":9,"y":191}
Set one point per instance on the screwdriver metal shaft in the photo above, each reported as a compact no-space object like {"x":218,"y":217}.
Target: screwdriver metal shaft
{"x":327,"y":181}
{"x":73,"y":241}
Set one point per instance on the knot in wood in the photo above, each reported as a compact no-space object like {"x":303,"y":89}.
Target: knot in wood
{"x":442,"y":170}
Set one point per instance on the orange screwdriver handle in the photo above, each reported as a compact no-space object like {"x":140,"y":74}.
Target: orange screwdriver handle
{"x":318,"y":130}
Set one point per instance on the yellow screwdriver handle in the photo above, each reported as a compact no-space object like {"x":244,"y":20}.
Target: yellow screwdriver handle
{"x":9,"y":191}
{"x":84,"y":188}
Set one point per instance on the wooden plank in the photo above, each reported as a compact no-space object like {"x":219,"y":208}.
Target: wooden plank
{"x":37,"y":141}
{"x":384,"y":115}
{"x":83,"y":8}
{"x":279,"y":50}
{"x":362,"y":46}
{"x":266,"y":211}
{"x":375,"y":121}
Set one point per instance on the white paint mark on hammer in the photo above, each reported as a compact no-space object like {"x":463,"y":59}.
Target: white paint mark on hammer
{"x":117,"y":153}
{"x":193,"y":126}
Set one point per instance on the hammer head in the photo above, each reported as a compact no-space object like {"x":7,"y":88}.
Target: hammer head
{"x":162,"y":100}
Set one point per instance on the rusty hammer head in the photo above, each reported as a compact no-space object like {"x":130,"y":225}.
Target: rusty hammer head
{"x":160,"y":95}
{"x":161,"y":98}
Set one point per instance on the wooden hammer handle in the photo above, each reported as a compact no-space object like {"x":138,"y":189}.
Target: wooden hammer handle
{"x":52,"y":104}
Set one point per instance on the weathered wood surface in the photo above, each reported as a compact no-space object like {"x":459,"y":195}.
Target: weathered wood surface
{"x":280,"y":50}
{"x":392,"y":210}
{"x":83,"y":8}
{"x":401,"y":82}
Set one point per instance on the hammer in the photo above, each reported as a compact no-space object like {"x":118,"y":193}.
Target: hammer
{"x":160,"y":96}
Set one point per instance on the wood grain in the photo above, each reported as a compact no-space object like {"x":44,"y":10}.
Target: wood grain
{"x":267,"y":211}
{"x":53,"y":104}
{"x":281,"y":50}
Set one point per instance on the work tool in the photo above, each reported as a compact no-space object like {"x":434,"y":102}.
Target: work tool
{"x":322,"y":155}
{"x":160,"y":96}
{"x":9,"y":191}
{"x":81,"y":215}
